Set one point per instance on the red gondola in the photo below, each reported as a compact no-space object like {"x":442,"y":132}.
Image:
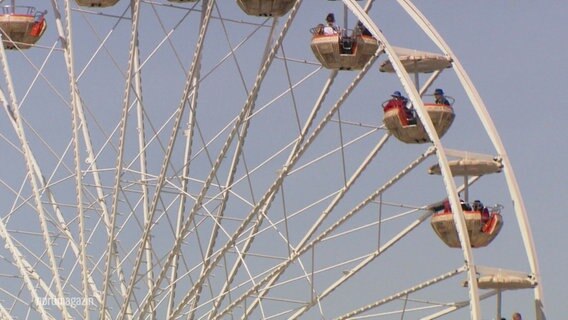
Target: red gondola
{"x":21,"y":26}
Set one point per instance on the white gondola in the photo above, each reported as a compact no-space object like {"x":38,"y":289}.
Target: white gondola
{"x":343,"y":52}
{"x":22,"y":26}
{"x":482,"y":226}
{"x":483,"y":223}
{"x":96,"y":3}
{"x":267,"y":8}
{"x":407,"y":130}
{"x":397,"y":117}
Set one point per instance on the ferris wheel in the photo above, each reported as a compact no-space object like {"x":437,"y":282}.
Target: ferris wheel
{"x":241,"y":160}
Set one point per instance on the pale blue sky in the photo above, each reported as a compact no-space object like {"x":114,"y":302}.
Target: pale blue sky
{"x":513,"y":51}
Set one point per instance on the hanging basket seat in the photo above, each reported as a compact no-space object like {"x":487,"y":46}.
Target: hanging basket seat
{"x":397,"y":121}
{"x":266,"y":8}
{"x":342,"y":52}
{"x":21,"y":26}
{"x":482,"y":226}
{"x":96,"y":3}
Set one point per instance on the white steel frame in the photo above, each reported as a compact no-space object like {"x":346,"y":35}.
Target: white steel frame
{"x":122,"y":270}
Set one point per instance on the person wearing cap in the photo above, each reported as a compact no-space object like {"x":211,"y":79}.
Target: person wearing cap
{"x":401,"y":101}
{"x":440,"y":99}
{"x":398,"y":96}
{"x":330,"y":28}
{"x":477,"y":206}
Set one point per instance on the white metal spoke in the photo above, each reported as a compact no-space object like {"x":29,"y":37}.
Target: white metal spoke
{"x":301,"y":250}
{"x":29,"y":164}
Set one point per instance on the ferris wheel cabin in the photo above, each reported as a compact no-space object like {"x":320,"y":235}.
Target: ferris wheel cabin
{"x":96,"y":3}
{"x":342,"y":52}
{"x":397,"y":117}
{"x":21,"y":26}
{"x":409,"y":129}
{"x":483,"y":223}
{"x":482,"y":226}
{"x":266,"y":8}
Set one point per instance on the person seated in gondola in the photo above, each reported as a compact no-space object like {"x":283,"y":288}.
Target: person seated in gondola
{"x":318,"y":30}
{"x":440,"y":98}
{"x":478,"y":206}
{"x":445,"y":206}
{"x":465,"y":206}
{"x":401,"y":101}
{"x":345,"y":41}
{"x":330,"y":28}
{"x":362,"y":30}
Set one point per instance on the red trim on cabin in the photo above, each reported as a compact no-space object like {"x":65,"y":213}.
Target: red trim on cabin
{"x":37,"y":28}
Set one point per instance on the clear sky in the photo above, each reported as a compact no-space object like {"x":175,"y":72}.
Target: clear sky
{"x":513,"y":51}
